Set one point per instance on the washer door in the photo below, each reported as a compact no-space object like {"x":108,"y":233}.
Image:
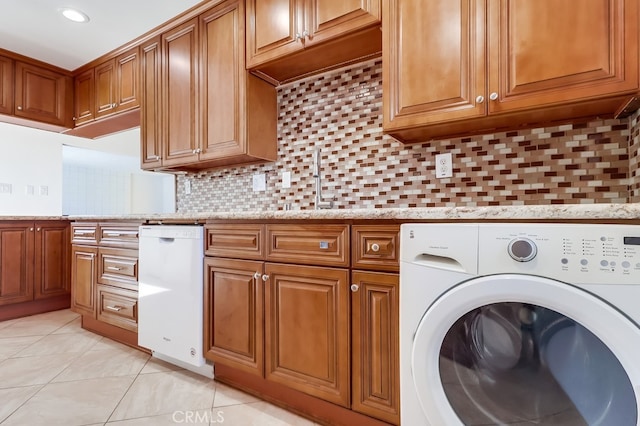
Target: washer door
{"x":519,"y":349}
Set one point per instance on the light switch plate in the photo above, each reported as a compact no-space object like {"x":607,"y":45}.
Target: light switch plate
{"x":286,"y":179}
{"x":44,"y":190}
{"x":30,"y":190}
{"x":5,"y":188}
{"x":259,"y":182}
{"x":187,"y":186}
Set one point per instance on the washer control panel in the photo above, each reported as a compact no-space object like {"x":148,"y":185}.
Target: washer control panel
{"x":568,"y":252}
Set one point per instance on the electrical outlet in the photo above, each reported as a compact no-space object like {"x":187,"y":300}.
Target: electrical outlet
{"x":30,"y":190}
{"x":187,"y":186}
{"x":5,"y":188}
{"x":44,"y":190}
{"x":444,"y":165}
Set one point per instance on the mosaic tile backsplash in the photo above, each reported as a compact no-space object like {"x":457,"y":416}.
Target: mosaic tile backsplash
{"x":341,"y":113}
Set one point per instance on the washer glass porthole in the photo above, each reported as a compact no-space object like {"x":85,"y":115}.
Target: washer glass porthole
{"x":518,"y":363}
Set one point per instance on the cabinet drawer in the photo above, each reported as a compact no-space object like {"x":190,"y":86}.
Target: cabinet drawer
{"x":241,"y":241}
{"x":376,"y":247}
{"x":118,"y":267}
{"x":119,"y":235}
{"x":118,"y":307}
{"x":84,"y":233}
{"x":326,"y":245}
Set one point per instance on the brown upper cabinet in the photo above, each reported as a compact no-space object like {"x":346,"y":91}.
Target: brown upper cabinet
{"x":117,"y":84}
{"x":42,"y":94}
{"x":150,"y":120}
{"x":202,"y":108}
{"x":108,"y":90}
{"x":6,"y":85}
{"x":334,"y":33}
{"x":452,"y":68}
{"x":33,"y":94}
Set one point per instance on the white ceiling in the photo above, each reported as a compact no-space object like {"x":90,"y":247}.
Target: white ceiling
{"x":36,"y":29}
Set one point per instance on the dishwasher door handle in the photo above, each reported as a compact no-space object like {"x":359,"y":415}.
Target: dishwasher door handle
{"x":167,"y":240}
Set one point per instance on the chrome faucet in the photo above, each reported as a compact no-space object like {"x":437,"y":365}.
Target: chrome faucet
{"x":320,"y":203}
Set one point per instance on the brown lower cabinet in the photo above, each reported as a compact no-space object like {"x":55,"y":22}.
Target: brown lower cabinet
{"x":319,"y":339}
{"x":104,"y":278}
{"x":34,"y":271}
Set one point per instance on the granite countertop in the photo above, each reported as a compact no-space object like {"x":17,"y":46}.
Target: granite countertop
{"x":629,"y":211}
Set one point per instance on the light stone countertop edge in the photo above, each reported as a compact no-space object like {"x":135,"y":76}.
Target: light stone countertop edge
{"x":630,"y":211}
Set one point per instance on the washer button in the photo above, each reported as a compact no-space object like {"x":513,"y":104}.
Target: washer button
{"x":604,"y":263}
{"x":584,"y":262}
{"x":564,"y":261}
{"x":626,"y":265}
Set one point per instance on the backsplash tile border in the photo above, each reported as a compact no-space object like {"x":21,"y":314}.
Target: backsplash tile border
{"x":341,"y":113}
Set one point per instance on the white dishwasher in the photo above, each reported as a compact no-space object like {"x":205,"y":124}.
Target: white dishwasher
{"x":170,"y":292}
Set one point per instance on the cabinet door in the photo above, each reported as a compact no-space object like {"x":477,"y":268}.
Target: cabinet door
{"x":375,"y":349}
{"x":43,"y":95}
{"x":328,"y":19}
{"x":433,"y":61}
{"x":51,"y":260}
{"x":233,"y":314}
{"x":223,"y":85}
{"x":105,"y":78}
{"x":588,"y":49}
{"x":274,"y":29}
{"x":6,"y":85}
{"x":127,"y":80}
{"x":181,"y":135}
{"x":16,"y":263}
{"x":84,"y":104}
{"x":150,"y":117}
{"x":84,"y":274}
{"x":307,"y":330}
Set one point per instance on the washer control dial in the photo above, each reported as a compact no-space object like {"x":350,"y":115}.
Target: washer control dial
{"x":522,"y":249}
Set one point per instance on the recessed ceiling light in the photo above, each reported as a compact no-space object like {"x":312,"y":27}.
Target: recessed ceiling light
{"x":74,"y":15}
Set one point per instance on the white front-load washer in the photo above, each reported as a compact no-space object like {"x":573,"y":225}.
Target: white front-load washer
{"x":519,"y":324}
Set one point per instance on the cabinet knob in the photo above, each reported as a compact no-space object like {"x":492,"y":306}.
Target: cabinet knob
{"x":31,"y":229}
{"x":375,"y":247}
{"x":257,"y":276}
{"x":265,"y":277}
{"x":19,"y":108}
{"x":355,"y":287}
{"x":39,"y":229}
{"x":493,"y":96}
{"x":114,"y":105}
{"x":305,"y":33}
{"x":480,"y":99}
{"x":298,"y":36}
{"x":74,"y":119}
{"x":157,"y":157}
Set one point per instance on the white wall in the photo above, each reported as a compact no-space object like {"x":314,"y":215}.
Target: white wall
{"x":82,"y":176}
{"x":30,"y":157}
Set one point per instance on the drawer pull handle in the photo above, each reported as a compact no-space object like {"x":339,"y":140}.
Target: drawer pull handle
{"x":111,"y":234}
{"x":375,"y":247}
{"x":114,"y":268}
{"x":324,"y":245}
{"x":81,"y":232}
{"x":114,"y":308}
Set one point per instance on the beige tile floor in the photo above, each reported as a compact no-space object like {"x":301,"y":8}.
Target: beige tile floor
{"x":52,"y":372}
